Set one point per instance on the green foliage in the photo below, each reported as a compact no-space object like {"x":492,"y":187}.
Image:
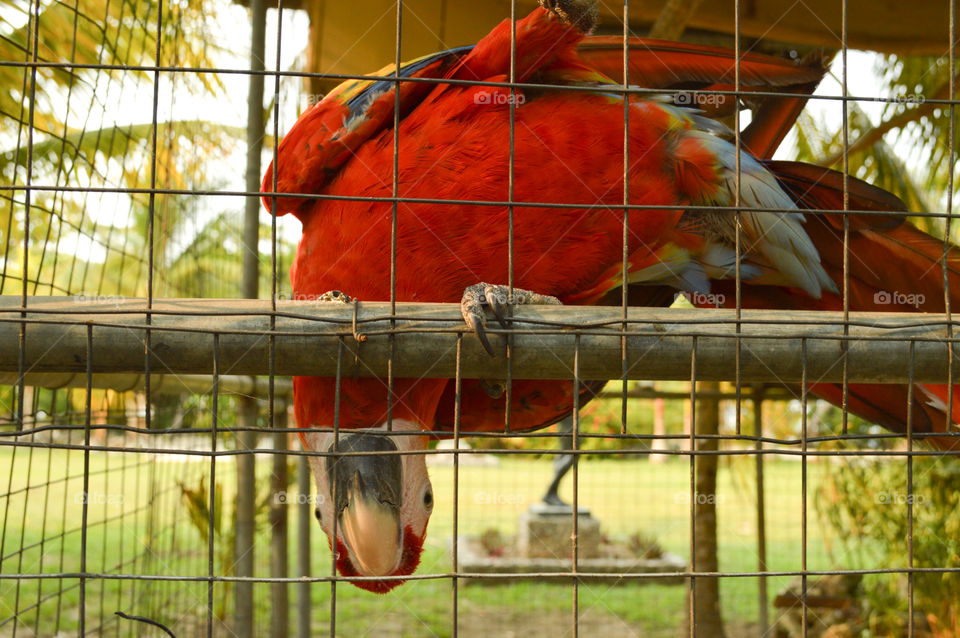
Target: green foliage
{"x":922,"y":176}
{"x":92,"y":32}
{"x":877,"y":164}
{"x":912,"y":80}
{"x":197,"y":503}
{"x":867,"y":506}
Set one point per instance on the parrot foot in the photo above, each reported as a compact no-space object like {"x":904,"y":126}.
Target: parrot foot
{"x":335,"y":296}
{"x":582,"y":14}
{"x":497,"y":297}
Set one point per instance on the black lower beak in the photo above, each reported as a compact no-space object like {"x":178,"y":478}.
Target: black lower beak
{"x":367,"y":491}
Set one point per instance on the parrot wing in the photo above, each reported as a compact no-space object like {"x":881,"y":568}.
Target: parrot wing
{"x":329,"y":133}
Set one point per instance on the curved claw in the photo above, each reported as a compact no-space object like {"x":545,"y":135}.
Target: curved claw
{"x":476,"y":323}
{"x":493,"y":300}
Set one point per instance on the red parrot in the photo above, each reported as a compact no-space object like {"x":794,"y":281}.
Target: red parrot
{"x":568,"y":150}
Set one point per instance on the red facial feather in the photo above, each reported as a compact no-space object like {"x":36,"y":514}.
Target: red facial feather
{"x":409,"y":559}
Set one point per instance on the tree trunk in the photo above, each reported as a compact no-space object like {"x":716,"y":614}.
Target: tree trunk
{"x":707,"y":620}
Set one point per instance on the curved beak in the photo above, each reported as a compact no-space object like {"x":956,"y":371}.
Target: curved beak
{"x":367,"y":492}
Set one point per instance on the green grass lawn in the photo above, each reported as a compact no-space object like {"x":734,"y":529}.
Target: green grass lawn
{"x":128,"y":535}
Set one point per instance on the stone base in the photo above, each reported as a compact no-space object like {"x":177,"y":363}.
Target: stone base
{"x":548,"y":509}
{"x":617,"y":569}
{"x":548,"y":535}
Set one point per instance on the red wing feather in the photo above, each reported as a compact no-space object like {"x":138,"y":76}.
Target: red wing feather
{"x":665,"y":64}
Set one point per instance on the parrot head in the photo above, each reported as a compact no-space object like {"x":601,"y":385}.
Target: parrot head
{"x":374,"y":502}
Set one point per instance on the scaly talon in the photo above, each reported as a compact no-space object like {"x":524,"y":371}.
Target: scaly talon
{"x":582,"y":14}
{"x":497,"y":297}
{"x":335,"y":296}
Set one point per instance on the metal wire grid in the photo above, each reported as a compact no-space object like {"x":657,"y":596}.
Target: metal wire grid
{"x":158,"y":512}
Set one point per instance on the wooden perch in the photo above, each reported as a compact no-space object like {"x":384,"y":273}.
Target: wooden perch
{"x":659,"y":341}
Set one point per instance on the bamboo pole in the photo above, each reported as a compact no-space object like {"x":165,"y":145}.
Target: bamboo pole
{"x":247,"y":406}
{"x":659,"y":341}
{"x":159,"y":383}
{"x":759,"y":396}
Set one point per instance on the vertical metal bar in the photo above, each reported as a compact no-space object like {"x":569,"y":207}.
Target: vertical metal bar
{"x":762,"y":599}
{"x":394,"y":192}
{"x":152,"y":209}
{"x":457,"y":397}
{"x":910,"y":583}
{"x":804,"y":627}
{"x":279,"y":590}
{"x":625,"y":297}
{"x":82,"y":621}
{"x":845,"y":386}
{"x":304,"y":521}
{"x":691,"y":608}
{"x":738,"y":202}
{"x":512,"y":77}
{"x":213,"y":481}
{"x":282,"y":601}
{"x":333,"y":487}
{"x":951,"y":150}
{"x":21,"y":391}
{"x":575,"y":537}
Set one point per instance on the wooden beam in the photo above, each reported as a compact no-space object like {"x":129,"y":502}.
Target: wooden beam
{"x":659,"y":341}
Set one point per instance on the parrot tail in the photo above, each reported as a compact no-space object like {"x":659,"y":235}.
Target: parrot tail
{"x":911,"y":280}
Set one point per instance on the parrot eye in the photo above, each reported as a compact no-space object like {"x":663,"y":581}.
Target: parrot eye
{"x":319,"y":517}
{"x":428,"y":499}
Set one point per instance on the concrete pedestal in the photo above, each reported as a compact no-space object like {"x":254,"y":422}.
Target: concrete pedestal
{"x":545,"y":532}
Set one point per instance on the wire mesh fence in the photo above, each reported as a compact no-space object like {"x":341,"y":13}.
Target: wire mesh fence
{"x":783,"y":466}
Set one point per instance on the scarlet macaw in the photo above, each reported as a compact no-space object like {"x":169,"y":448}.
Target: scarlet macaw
{"x":568,"y":150}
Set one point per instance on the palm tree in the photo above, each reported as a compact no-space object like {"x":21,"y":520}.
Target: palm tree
{"x":93,"y":129}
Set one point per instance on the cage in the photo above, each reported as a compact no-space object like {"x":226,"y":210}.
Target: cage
{"x":729,"y":479}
